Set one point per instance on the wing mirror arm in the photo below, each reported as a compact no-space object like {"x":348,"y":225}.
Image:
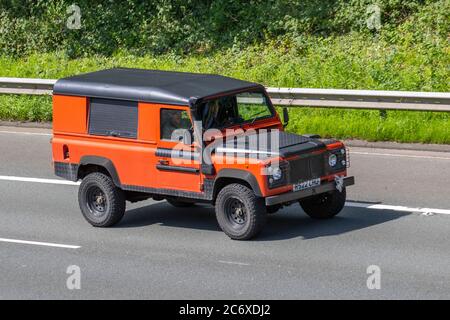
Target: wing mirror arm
{"x":188,"y":137}
{"x":285,"y":117}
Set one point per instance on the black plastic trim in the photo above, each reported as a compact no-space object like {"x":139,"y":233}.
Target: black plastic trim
{"x":241,"y":175}
{"x":294,"y":196}
{"x":102,"y":162}
{"x":68,"y":171}
{"x":169,"y":192}
{"x":207,"y":169}
{"x":164,"y":167}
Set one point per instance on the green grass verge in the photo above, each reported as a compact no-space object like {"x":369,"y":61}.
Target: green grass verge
{"x":25,"y":108}
{"x":349,"y":62}
{"x":399,"y":126}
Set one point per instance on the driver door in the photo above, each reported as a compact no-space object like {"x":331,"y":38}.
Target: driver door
{"x":177,"y":162}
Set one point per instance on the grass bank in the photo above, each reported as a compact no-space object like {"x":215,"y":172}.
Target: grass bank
{"x":349,"y":62}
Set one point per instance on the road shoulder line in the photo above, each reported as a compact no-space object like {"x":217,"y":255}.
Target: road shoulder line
{"x":39,"y":180}
{"x":38,"y":243}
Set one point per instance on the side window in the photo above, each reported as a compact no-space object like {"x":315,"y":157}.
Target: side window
{"x":113,"y":118}
{"x":174,"y":123}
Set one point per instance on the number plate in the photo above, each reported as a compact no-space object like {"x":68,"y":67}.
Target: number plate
{"x":306,"y":184}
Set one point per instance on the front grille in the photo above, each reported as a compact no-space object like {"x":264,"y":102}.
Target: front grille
{"x":306,"y":168}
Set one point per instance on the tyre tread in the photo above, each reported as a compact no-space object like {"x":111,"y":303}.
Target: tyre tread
{"x":255,"y":208}
{"x":113,"y":193}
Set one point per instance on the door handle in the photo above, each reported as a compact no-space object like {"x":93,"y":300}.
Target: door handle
{"x":163,"y":162}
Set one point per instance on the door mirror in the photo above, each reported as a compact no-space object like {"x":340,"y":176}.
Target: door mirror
{"x":285,"y":117}
{"x":183,"y":135}
{"x":188,"y":137}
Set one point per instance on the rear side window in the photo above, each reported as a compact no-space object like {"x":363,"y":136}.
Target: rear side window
{"x":115,"y":118}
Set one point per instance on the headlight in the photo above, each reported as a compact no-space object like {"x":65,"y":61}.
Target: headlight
{"x":332,"y":160}
{"x":275,"y":173}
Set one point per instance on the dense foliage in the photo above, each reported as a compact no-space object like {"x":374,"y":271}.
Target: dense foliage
{"x":286,"y":43}
{"x":186,"y":26}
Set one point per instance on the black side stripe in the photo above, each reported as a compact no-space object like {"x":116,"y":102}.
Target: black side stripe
{"x":164,"y":167}
{"x":171,"y":192}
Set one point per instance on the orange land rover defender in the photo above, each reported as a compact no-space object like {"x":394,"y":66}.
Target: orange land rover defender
{"x":132,"y":134}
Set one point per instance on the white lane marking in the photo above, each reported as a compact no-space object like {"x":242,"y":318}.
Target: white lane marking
{"x":396,"y":208}
{"x":27,"y":133}
{"x":397,"y":155}
{"x":38,"y":180}
{"x":233,"y":262}
{"x":348,"y":204}
{"x":37,"y":243}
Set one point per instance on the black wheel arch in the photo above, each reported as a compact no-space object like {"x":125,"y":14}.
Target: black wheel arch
{"x":227,"y":176}
{"x":90,"y":164}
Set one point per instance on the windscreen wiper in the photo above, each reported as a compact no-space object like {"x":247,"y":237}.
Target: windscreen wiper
{"x":256,"y":116}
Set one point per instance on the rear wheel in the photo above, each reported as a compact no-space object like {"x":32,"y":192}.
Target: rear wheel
{"x":239,"y":212}
{"x":101,"y":202}
{"x":324,"y":206}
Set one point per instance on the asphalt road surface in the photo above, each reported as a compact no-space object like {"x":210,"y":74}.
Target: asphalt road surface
{"x":397,"y":219}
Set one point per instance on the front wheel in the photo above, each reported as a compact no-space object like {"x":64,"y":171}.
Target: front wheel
{"x":101,"y":202}
{"x":239,"y":212}
{"x":324,"y":206}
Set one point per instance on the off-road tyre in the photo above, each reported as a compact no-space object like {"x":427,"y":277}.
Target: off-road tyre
{"x":324,"y":206}
{"x":101,"y":202}
{"x":240,"y":213}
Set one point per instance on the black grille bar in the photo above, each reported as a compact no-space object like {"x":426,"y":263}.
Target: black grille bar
{"x":306,"y":168}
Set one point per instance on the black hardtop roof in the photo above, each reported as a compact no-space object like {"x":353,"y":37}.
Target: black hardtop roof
{"x":156,"y":86}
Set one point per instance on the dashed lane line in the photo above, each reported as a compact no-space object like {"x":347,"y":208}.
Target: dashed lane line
{"x":234,"y":262}
{"x":396,"y":208}
{"x":27,"y":133}
{"x":37,"y":243}
{"x":39,"y":180}
{"x":396,"y":155}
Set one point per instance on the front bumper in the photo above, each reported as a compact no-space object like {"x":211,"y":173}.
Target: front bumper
{"x":294,"y":196}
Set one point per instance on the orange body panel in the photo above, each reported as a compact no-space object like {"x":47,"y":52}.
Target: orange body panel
{"x":69,"y":114}
{"x":147,"y":129}
{"x":134,"y":159}
{"x":254,"y":166}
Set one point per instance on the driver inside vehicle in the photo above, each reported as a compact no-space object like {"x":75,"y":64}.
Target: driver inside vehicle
{"x":210,"y":114}
{"x":173,"y":124}
{"x":219,"y":113}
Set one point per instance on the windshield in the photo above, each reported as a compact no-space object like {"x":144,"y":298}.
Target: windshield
{"x":233,"y":110}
